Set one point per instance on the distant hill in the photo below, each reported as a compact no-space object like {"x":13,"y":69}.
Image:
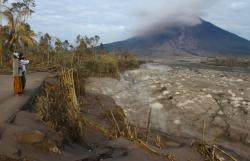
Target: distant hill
{"x":204,"y":39}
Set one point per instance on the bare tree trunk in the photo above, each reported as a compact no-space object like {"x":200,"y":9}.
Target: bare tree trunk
{"x":1,"y":55}
{"x":48,"y":58}
{"x":42,"y":57}
{"x":73,"y":59}
{"x":148,"y":124}
{"x":1,"y":40}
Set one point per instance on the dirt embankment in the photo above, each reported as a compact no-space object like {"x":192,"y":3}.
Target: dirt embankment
{"x":107,"y":134}
{"x":28,"y":138}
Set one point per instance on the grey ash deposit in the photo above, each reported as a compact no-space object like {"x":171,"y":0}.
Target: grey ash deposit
{"x":182,"y":99}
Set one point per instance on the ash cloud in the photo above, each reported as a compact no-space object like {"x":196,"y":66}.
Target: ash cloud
{"x":161,"y":14}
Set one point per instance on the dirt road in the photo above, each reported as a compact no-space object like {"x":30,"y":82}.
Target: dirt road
{"x":10,"y":104}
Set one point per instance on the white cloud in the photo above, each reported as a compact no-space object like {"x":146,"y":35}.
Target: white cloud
{"x":115,"y":20}
{"x":232,"y":19}
{"x":236,"y":5}
{"x":164,"y":13}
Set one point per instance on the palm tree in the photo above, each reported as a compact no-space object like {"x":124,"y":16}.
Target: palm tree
{"x":20,"y":34}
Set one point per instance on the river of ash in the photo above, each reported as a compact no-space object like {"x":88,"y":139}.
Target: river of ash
{"x":183,"y":99}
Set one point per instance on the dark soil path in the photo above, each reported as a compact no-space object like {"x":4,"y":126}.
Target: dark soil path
{"x":10,"y":104}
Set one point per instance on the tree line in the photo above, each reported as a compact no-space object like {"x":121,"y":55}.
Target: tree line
{"x":17,"y":35}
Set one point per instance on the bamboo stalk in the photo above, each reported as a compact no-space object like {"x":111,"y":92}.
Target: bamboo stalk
{"x":203,"y":132}
{"x":148,"y":124}
{"x":233,"y":159}
{"x":158,"y":141}
{"x":116,"y":124}
{"x":154,"y":151}
{"x":66,"y":84}
{"x":135,"y":132}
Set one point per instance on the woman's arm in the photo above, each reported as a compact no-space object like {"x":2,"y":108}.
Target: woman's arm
{"x":24,"y":62}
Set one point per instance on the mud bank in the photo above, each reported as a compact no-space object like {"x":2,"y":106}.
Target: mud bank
{"x":185,"y":99}
{"x":27,"y":138}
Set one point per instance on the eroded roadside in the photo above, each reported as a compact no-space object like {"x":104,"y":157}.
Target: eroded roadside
{"x":30,"y":137}
{"x":107,"y":135}
{"x":183,"y":99}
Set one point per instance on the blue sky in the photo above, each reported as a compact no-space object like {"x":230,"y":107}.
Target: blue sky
{"x":116,"y":20}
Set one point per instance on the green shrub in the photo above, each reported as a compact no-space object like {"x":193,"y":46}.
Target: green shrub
{"x":105,"y":65}
{"x":229,"y":62}
{"x":127,"y":62}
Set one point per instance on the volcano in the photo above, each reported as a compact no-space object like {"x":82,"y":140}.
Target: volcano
{"x":204,"y":39}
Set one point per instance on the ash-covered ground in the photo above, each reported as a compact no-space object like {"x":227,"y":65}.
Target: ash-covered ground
{"x":184,"y":99}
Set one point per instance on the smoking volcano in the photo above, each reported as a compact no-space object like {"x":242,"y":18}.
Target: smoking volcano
{"x":204,"y":39}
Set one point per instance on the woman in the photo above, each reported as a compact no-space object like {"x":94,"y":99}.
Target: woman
{"x":17,"y":73}
{"x":23,"y":62}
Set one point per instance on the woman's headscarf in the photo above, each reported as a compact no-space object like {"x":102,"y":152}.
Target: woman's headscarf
{"x":16,"y":55}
